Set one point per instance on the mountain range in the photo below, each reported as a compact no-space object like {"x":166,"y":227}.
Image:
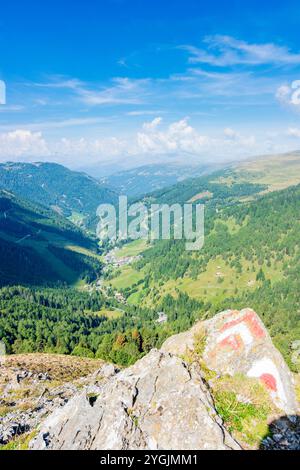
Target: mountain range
{"x":63,"y":294}
{"x":71,"y":194}
{"x":139,"y":181}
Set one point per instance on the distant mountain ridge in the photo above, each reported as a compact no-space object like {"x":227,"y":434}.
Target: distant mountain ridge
{"x":242,"y":179}
{"x":138,"y":181}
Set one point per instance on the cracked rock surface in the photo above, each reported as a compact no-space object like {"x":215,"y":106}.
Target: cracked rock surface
{"x":33,"y":385}
{"x":158,"y":403}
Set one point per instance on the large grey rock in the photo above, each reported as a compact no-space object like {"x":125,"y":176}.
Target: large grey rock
{"x":238,"y":342}
{"x":184,"y":343}
{"x":159,"y":403}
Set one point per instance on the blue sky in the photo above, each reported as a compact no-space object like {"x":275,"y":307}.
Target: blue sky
{"x":126,"y":82}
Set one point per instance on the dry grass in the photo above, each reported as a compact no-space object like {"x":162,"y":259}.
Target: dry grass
{"x":59,"y":367}
{"x":276,"y":171}
{"x":18,"y":394}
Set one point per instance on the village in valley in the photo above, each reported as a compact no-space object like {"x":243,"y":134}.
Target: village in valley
{"x":113,"y":262}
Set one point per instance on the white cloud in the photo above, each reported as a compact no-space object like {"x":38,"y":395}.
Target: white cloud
{"x":234,"y":137}
{"x":153,"y":124}
{"x":29,"y":146}
{"x":293,"y":132}
{"x":179,"y":136}
{"x":155,"y":140}
{"x":226,"y":51}
{"x":289,"y":94}
{"x":121,"y":90}
{"x":20,"y":143}
{"x":283,"y":93}
{"x":2,"y":92}
{"x":58,"y":81}
{"x":220,"y":86}
{"x":230,"y":133}
{"x":295,"y":98}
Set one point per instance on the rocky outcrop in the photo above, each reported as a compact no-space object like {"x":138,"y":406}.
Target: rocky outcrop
{"x":159,"y":403}
{"x":20,"y":421}
{"x":237,"y":342}
{"x":168,"y":400}
{"x":184,"y":343}
{"x":34,"y":385}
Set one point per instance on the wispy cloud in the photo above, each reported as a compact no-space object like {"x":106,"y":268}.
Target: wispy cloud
{"x":121,"y":90}
{"x":12,"y":108}
{"x":66,"y":118}
{"x":293,"y":132}
{"x":145,"y":112}
{"x":59,"y":124}
{"x":122,"y":62}
{"x":229,"y":86}
{"x":59,"y":81}
{"x":223,"y":51}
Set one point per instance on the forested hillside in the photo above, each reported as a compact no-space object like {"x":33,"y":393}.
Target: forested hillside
{"x":70,"y":193}
{"x":136,"y":182}
{"x":205,"y":189}
{"x":38,"y":246}
{"x":250,"y":258}
{"x":66,"y":321}
{"x":235,"y":181}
